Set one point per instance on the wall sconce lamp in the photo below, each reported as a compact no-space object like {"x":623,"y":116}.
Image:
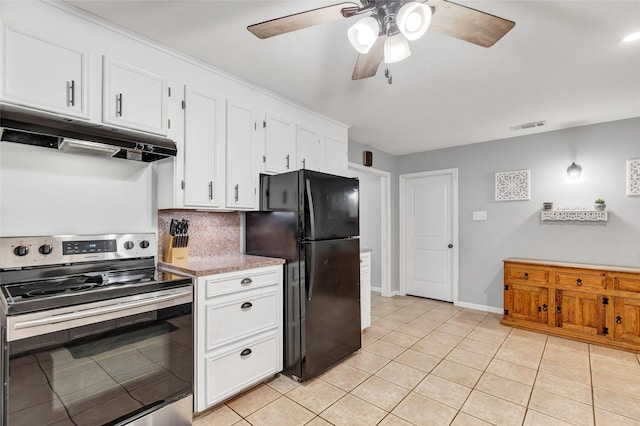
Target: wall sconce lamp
{"x":574,"y":171}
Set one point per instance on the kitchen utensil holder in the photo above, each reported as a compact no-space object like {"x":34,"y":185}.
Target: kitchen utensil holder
{"x":175,"y":254}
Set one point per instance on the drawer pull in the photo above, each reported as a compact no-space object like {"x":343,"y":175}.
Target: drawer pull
{"x":618,"y":319}
{"x":245,"y":352}
{"x":246,"y":281}
{"x":246,"y":305}
{"x":542,"y":308}
{"x":579,"y":282}
{"x":526,"y":275}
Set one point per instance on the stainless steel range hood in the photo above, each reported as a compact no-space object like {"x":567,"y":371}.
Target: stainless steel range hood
{"x":26,"y":127}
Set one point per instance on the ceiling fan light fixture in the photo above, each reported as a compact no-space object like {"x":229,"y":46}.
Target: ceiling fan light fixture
{"x":396,"y":48}
{"x":363,"y":34}
{"x":414,"y":19}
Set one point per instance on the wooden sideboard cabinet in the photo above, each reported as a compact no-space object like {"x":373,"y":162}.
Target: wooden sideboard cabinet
{"x":592,"y":303}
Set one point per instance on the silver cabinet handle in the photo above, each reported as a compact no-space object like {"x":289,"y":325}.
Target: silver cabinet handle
{"x":287,"y":158}
{"x":246,"y":281}
{"x":237,"y":189}
{"x":72,"y":92}
{"x":304,"y":163}
{"x":210,"y":190}
{"x":119,"y":105}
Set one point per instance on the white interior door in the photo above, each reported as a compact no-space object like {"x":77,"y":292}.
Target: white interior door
{"x":428,"y":234}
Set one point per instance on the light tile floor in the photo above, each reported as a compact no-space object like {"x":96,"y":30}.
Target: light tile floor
{"x":425,"y":362}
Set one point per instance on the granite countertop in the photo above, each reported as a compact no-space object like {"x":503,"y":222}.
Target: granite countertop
{"x":574,"y":265}
{"x":201,"y":266}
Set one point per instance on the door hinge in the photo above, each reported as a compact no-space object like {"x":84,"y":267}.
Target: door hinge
{"x":264,"y":124}
{"x":182,"y":184}
{"x":264,"y":158}
{"x":605,"y":331}
{"x":506,"y":286}
{"x":183,"y":103}
{"x":169,"y":89}
{"x":605,"y":300}
{"x":506,"y":312}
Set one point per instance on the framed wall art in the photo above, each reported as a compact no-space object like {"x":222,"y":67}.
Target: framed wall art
{"x":514,"y":185}
{"x":633,"y":177}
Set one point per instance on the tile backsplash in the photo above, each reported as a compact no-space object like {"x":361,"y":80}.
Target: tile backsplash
{"x":210,"y":233}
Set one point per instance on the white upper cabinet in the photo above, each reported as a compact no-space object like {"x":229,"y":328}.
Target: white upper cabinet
{"x":279,"y":145}
{"x":203,"y":128}
{"x":240,"y":181}
{"x":134,"y":98}
{"x":309,"y":150}
{"x":336,"y":156}
{"x":44,"y":75}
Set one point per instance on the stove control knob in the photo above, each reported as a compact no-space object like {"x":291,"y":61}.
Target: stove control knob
{"x":144,"y":244}
{"x":128,"y":245}
{"x":45,"y":249}
{"x":21,"y":251}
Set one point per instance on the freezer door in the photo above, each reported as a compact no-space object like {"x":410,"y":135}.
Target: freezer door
{"x":330,"y":206}
{"x":331,"y":308}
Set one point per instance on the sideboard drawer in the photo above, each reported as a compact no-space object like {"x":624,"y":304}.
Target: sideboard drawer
{"x":624,"y":282}
{"x":581,"y":279}
{"x":524,"y":274}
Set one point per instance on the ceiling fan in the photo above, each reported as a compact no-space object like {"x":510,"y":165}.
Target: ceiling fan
{"x":390,"y":24}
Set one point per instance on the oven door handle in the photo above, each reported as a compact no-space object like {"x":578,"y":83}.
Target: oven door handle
{"x":105,"y":309}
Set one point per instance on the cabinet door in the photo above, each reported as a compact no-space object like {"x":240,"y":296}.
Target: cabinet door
{"x":581,"y":312}
{"x":240,"y":176}
{"x":134,"y":98}
{"x":279,"y":145}
{"x":44,"y":75}
{"x":526,"y":303}
{"x":201,"y":122}
{"x":335,"y":157}
{"x":627,"y":319}
{"x":309,"y":150}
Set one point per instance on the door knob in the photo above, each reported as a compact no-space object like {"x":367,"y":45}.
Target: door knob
{"x":450,"y":246}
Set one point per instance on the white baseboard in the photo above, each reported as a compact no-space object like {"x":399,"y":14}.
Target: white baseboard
{"x":480,"y":307}
{"x":376,"y":289}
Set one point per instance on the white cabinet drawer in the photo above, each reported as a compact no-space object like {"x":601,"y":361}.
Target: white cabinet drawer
{"x":365,"y":260}
{"x":241,"y":314}
{"x":229,"y":371}
{"x":242,"y":280}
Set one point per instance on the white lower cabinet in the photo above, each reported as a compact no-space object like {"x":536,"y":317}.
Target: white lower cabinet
{"x":238,"y":332}
{"x":365,"y":290}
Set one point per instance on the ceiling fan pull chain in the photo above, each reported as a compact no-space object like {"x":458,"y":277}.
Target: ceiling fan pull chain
{"x":387,"y":74}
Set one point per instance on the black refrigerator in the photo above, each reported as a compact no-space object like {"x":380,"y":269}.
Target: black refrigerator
{"x":310,"y":219}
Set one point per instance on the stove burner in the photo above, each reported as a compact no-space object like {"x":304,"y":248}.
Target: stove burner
{"x":57,"y":290}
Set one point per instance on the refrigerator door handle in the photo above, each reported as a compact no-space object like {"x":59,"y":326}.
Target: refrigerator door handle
{"x":310,"y":265}
{"x":312,"y":219}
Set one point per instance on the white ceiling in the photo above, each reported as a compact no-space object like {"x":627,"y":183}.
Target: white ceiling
{"x":562,"y":63}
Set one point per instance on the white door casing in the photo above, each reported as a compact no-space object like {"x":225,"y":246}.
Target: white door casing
{"x":428,"y":226}
{"x":385,"y":224}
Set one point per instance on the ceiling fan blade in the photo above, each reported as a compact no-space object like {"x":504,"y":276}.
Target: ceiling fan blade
{"x":367,"y":64}
{"x":468,"y":24}
{"x":301,"y":20}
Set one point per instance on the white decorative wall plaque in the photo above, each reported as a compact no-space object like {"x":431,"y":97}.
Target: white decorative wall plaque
{"x":513,"y":185}
{"x":633,"y":176}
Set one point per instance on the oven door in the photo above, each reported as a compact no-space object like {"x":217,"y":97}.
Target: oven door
{"x":110,"y":362}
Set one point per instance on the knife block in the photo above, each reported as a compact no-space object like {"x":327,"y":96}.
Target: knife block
{"x":175,"y":254}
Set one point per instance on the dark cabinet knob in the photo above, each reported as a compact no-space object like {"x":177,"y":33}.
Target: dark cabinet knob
{"x":579,"y":282}
{"x":618,"y":319}
{"x":526,"y":276}
{"x":246,"y":305}
{"x":450,"y":246}
{"x":246,"y":352}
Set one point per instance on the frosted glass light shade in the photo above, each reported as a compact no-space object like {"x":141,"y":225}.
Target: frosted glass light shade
{"x":574,"y":171}
{"x":363,"y":34}
{"x":396,"y":48}
{"x":413,"y":19}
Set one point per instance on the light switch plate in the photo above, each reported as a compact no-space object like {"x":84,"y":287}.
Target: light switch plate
{"x":482,"y":215}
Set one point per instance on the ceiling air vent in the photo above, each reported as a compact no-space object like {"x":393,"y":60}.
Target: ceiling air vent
{"x":531,"y":125}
